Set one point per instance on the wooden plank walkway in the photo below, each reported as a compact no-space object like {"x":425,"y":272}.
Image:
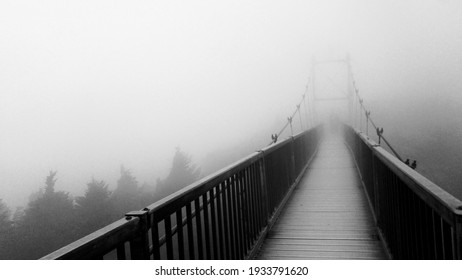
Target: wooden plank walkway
{"x":328,"y":216}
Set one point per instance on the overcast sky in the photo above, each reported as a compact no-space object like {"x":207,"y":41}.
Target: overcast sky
{"x":88,"y":85}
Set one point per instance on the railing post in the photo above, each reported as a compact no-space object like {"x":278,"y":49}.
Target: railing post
{"x":139,"y":246}
{"x":375,"y":186}
{"x":264,"y":187}
{"x":458,"y":235}
{"x":293,"y":176}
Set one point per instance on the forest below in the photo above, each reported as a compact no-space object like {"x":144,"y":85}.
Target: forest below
{"x":53,"y":218}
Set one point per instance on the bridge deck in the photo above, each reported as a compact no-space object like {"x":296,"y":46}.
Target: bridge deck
{"x":328,"y":216}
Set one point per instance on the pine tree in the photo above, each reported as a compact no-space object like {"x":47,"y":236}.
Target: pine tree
{"x":182,"y":173}
{"x":94,"y":209}
{"x":6,"y":233}
{"x":47,"y":223}
{"x":5,"y":222}
{"x":126,"y":197}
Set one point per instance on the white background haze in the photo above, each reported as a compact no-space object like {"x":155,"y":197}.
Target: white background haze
{"x":86,"y":86}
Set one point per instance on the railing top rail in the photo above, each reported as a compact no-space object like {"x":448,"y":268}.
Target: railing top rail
{"x":434,"y":195}
{"x":180,"y":197}
{"x":98,"y":242}
{"x":279,"y":144}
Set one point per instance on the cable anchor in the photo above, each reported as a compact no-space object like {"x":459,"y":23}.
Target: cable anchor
{"x":274,"y":137}
{"x":413,"y":165}
{"x":379,"y":133}
{"x":291,"y":128}
{"x":368,"y":113}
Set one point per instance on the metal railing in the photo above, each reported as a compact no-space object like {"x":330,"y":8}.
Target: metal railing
{"x":417,"y":219}
{"x":223,"y":216}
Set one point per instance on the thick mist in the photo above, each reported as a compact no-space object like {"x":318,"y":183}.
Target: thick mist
{"x":87,"y":87}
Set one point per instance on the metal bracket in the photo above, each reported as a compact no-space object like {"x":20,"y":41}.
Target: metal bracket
{"x":274,"y":137}
{"x":142,"y":215}
{"x":379,"y":133}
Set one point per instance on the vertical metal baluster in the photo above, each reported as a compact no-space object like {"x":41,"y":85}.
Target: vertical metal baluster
{"x":432,"y":240}
{"x":121,"y":252}
{"x":168,"y":237}
{"x":458,"y":234}
{"x":423,"y":230}
{"x":215,"y":225}
{"x":225,"y":218}
{"x":236,"y":221}
{"x":241,"y":214}
{"x":190,"y":232}
{"x":252,"y":204}
{"x":179,"y":233}
{"x":155,"y":240}
{"x":245,"y":200}
{"x":260,"y":196}
{"x":205,"y":204}
{"x":264,"y":190}
{"x":447,"y":239}
{"x":453,"y":244}
{"x":442,"y":238}
{"x":220,"y":223}
{"x":437,"y":233}
{"x":199,"y":237}
{"x":230,"y":220}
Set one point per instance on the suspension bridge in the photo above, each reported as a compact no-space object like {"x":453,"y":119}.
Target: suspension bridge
{"x":328,"y":192}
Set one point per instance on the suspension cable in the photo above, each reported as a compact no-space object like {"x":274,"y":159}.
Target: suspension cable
{"x":300,"y":116}
{"x":378,"y":130}
{"x":274,"y":137}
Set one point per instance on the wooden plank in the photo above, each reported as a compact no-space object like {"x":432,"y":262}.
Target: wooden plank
{"x":328,"y":216}
{"x":323,"y":247}
{"x":326,"y":254}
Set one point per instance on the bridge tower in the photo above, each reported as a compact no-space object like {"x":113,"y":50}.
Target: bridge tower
{"x":332,"y":95}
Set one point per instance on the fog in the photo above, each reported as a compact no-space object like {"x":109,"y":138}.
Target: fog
{"x":86,"y":86}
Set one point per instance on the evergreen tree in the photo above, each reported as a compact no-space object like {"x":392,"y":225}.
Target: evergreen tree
{"x":47,"y":223}
{"x":5,"y":222}
{"x":5,"y":230}
{"x":127,"y":183}
{"x":94,"y":208}
{"x":6,"y":233}
{"x":182,"y":173}
{"x":126,"y":197}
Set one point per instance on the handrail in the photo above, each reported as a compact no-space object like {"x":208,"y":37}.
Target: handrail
{"x":416,"y":217}
{"x":223,"y":216}
{"x":98,"y":243}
